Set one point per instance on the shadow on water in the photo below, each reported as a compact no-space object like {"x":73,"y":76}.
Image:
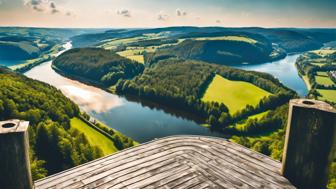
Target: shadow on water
{"x":169,"y":110}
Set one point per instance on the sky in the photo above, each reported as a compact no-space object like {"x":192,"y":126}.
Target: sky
{"x":163,"y":13}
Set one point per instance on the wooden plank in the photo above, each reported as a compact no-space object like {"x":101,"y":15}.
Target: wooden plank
{"x":186,"y":162}
{"x":245,"y":152}
{"x":87,"y":167}
{"x":128,"y":167}
{"x":103,"y":165}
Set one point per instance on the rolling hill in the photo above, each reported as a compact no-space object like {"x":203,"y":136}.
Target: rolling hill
{"x":97,"y":64}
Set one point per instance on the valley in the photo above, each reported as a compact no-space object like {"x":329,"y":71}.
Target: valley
{"x":151,"y":85}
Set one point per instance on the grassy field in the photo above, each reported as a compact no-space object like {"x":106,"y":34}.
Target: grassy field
{"x":317,"y":64}
{"x":240,"y":125}
{"x":133,"y":54}
{"x":94,"y":137}
{"x":322,"y":74}
{"x":324,"y":52}
{"x":323,"y":80}
{"x":229,"y":38}
{"x":329,"y":95}
{"x":234,"y":94}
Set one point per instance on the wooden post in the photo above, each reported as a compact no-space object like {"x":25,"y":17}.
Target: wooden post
{"x":14,"y":155}
{"x":309,"y":144}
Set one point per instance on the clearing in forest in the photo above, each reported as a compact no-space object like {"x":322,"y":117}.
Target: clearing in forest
{"x":234,"y":94}
{"x":94,"y":137}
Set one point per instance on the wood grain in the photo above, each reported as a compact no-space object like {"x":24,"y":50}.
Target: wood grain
{"x":175,"y":162}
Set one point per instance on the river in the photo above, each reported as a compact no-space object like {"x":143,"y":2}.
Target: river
{"x":285,"y":70}
{"x":138,"y":121}
{"x":144,"y":121}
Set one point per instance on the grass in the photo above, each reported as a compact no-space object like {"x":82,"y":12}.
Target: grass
{"x":133,"y":54}
{"x":115,"y":42}
{"x":324,"y":52}
{"x":329,"y":95}
{"x":94,"y":137}
{"x":229,"y":38}
{"x":234,"y":94}
{"x":322,"y":74}
{"x":323,"y":80}
{"x":240,"y":125}
{"x":317,"y":64}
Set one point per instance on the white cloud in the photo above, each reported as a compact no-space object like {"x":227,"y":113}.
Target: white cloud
{"x":124,"y":12}
{"x":180,"y":12}
{"x":53,"y":8}
{"x":42,"y":6}
{"x":218,"y":21}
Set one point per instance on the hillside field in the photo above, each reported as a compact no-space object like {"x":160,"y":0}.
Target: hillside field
{"x":133,"y":54}
{"x":329,"y":95}
{"x":234,"y":94}
{"x":94,"y":137}
{"x":323,"y":80}
{"x":229,"y":38}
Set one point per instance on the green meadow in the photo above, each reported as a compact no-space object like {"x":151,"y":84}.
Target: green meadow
{"x":241,"y":124}
{"x":329,"y":95}
{"x":229,"y":38}
{"x":323,"y":80}
{"x":94,"y":137}
{"x":234,"y":94}
{"x":133,"y":54}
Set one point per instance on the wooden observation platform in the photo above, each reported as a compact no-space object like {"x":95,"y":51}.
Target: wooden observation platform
{"x":175,"y":162}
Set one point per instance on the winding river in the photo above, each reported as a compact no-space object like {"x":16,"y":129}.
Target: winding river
{"x":134,"y":119}
{"x":145,"y":121}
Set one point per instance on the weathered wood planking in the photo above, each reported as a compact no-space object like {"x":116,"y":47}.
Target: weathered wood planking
{"x":175,"y":162}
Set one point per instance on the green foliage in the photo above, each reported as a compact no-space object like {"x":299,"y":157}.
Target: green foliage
{"x":61,"y":147}
{"x":266,"y":143}
{"x":226,"y":52}
{"x":97,"y":64}
{"x":332,"y":176}
{"x":182,"y":84}
{"x":316,"y":67}
{"x":54,"y":146}
{"x":230,"y":93}
{"x":10,"y":50}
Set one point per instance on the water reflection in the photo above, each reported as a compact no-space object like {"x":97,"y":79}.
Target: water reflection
{"x":285,"y":70}
{"x":87,"y":97}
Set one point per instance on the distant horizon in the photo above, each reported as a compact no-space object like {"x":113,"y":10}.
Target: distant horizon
{"x":158,"y":14}
{"x":115,"y":28}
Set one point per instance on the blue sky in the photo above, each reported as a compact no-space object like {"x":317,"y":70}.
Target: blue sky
{"x":160,"y":13}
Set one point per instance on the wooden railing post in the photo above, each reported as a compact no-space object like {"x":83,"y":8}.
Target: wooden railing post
{"x":309,"y":144}
{"x":14,"y":155}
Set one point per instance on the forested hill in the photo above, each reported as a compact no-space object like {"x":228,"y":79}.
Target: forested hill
{"x":97,"y":64}
{"x":225,"y":50}
{"x":55,"y":146}
{"x":289,"y":39}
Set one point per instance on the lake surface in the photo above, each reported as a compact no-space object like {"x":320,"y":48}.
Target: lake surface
{"x":285,"y":70}
{"x":133,"y":119}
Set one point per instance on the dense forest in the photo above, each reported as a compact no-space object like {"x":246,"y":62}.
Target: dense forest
{"x":97,"y":64}
{"x":221,"y":51}
{"x":54,"y":145}
{"x":182,"y":83}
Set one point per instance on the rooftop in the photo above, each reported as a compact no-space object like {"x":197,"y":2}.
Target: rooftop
{"x":175,"y":162}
